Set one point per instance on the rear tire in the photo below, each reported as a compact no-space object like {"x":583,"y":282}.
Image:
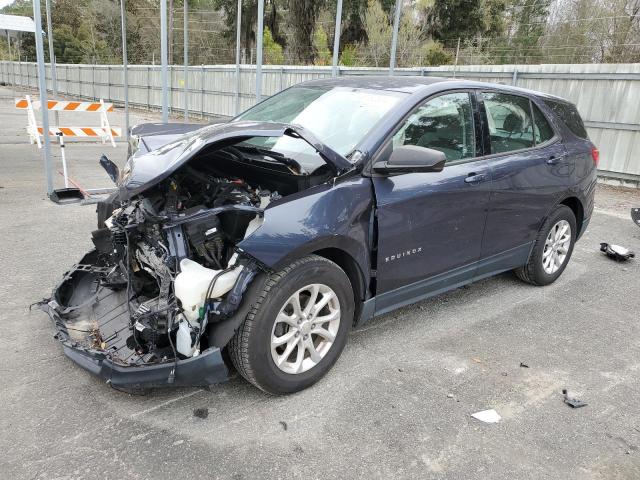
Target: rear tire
{"x":283,"y":312}
{"x":552,"y":248}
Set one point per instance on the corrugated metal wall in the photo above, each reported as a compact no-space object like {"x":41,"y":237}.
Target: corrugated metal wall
{"x":607,"y":95}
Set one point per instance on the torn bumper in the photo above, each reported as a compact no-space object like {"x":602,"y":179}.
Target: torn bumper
{"x":93,"y":325}
{"x":206,"y":369}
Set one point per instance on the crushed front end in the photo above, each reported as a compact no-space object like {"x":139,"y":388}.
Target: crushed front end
{"x":136,"y":309}
{"x":164,"y":288}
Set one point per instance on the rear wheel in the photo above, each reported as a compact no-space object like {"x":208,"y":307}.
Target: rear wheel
{"x":297,"y":327}
{"x":552,"y":249}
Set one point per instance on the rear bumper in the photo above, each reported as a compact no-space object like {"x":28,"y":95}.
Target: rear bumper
{"x":585,"y":224}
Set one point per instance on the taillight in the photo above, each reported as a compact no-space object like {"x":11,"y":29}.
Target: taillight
{"x":595,"y":154}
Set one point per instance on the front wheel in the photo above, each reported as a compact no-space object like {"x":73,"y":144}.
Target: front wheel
{"x":552,"y":248}
{"x":296,"y":328}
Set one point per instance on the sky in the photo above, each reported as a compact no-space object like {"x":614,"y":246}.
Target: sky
{"x":4,"y":3}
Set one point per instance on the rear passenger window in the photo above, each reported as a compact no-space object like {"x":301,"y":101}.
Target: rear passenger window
{"x":542,"y":131}
{"x":569,"y":115}
{"x":509,"y":118}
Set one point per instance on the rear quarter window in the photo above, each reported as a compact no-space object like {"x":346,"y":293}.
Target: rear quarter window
{"x":569,"y":115}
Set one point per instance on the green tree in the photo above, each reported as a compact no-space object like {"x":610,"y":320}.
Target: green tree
{"x":303,"y":15}
{"x":434,"y":54}
{"x":349,"y":56}
{"x":379,"y":31}
{"x":273,"y":54}
{"x":321,"y":46}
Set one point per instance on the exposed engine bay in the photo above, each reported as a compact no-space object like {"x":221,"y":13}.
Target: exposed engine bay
{"x":166,"y":265}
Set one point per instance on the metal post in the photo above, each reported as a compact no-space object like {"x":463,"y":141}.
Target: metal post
{"x":201,"y":91}
{"x":336,"y":39}
{"x":125,"y":67}
{"x":394,"y":38}
{"x":238,"y":25}
{"x":42,"y":85}
{"x":13,"y":67}
{"x":163,"y":61}
{"x":52,"y":58}
{"x":65,"y":174}
{"x":455,"y":66}
{"x":514,"y":79}
{"x":259,"y":35}
{"x":185,"y":34}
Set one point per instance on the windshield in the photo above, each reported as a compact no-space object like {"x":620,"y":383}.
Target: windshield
{"x":340,"y":117}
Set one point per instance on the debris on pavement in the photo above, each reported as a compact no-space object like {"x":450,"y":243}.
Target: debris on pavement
{"x":572,"y":402}
{"x":487,"y":416}
{"x":201,"y":412}
{"x":524,"y":365}
{"x":616,"y":252}
{"x":635,"y":215}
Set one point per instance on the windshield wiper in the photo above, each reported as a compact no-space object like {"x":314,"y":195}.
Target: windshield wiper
{"x":293,"y":165}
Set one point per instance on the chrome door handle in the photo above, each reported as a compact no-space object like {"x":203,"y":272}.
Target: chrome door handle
{"x":474,"y":178}
{"x":555,"y":159}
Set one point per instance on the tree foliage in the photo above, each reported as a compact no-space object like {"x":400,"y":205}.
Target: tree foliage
{"x":302,"y":31}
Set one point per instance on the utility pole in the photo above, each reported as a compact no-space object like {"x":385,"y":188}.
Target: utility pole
{"x":163,"y":60}
{"x":238,"y":33}
{"x":336,"y":39}
{"x":52,"y":58}
{"x":42,"y":85}
{"x":125,"y":67}
{"x":394,"y":38}
{"x":259,"y":35}
{"x":185,"y":33}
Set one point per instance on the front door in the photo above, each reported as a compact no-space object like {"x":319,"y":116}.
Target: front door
{"x":430,"y":225}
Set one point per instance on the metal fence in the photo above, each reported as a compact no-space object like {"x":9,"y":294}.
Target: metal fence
{"x":607,"y":95}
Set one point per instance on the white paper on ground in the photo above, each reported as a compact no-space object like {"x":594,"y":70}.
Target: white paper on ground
{"x":487,"y":416}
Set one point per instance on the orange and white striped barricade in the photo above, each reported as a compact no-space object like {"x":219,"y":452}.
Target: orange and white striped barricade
{"x":105,"y":131}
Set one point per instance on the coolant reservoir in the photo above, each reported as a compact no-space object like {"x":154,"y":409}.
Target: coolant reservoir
{"x":192,"y":283}
{"x":184,"y":342}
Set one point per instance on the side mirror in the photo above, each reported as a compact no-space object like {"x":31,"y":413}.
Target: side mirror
{"x":411,"y":158}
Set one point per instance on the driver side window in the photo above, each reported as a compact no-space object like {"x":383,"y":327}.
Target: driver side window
{"x":443,"y":123}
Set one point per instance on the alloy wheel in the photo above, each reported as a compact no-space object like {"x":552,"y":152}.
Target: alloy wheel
{"x":556,"y":247}
{"x":305,"y":328}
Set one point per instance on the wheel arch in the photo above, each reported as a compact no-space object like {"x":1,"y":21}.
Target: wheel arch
{"x":353,"y":271}
{"x":577,"y":208}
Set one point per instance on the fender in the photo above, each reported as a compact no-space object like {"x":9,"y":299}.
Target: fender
{"x":332,"y":215}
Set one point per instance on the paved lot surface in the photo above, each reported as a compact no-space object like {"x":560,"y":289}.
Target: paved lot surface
{"x":396,"y":405}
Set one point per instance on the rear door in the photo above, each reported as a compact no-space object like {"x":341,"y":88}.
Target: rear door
{"x":430,"y":225}
{"x":531,"y":170}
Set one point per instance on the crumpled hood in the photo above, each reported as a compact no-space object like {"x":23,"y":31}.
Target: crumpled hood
{"x":145,"y":169}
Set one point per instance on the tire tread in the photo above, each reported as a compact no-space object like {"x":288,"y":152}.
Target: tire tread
{"x":239,"y":344}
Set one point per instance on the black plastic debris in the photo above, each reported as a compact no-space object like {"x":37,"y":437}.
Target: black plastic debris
{"x":284,"y":425}
{"x":635,"y":216}
{"x":524,"y":365}
{"x":66,"y":195}
{"x":572,"y":402}
{"x":616,"y":252}
{"x":111,"y":168}
{"x":201,"y":412}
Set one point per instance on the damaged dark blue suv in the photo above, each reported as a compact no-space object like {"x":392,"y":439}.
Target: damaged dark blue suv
{"x":260,"y":242}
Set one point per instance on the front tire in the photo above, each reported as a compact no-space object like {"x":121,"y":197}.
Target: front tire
{"x":552,"y":248}
{"x":297,"y":327}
